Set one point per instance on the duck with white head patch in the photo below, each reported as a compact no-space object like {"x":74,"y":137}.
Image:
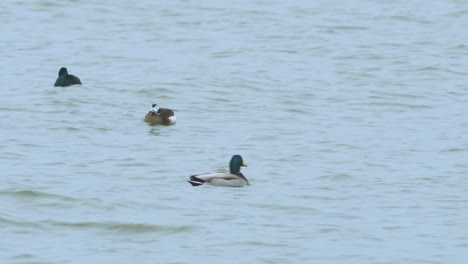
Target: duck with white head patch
{"x":160,"y":116}
{"x":154,"y":109}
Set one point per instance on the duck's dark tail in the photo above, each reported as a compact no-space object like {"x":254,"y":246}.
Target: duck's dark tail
{"x":195,"y":181}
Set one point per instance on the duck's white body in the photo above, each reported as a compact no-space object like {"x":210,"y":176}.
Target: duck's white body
{"x":224,"y":179}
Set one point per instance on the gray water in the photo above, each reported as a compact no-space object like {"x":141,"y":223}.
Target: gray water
{"x":350,"y":114}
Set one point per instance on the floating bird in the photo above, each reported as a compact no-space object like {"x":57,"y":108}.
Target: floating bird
{"x":232,"y":179}
{"x":160,"y":116}
{"x":65,"y":79}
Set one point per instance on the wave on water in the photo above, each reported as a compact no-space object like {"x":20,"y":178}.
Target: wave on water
{"x":131,"y":228}
{"x":109,"y":227}
{"x":35,"y":194}
{"x":29,"y":258}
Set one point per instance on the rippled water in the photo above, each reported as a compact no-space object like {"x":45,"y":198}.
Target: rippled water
{"x":351,"y":116}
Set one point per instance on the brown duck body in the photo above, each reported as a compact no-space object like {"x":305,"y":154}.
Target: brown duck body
{"x":164,"y":117}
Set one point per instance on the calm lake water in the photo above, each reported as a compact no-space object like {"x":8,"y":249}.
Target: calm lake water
{"x":350,"y":114}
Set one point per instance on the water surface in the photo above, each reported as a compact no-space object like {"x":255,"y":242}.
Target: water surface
{"x":351,"y":116}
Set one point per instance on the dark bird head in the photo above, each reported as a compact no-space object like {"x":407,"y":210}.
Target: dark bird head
{"x":63,"y":71}
{"x":235,"y":164}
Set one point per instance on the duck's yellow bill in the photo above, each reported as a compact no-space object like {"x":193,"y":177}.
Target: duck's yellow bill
{"x":244,"y":164}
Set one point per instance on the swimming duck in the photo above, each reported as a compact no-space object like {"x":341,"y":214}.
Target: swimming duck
{"x":66,"y":79}
{"x":232,"y":179}
{"x":160,"y":116}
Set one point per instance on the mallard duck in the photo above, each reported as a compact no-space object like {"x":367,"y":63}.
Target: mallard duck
{"x":232,"y":179}
{"x":160,"y":116}
{"x":66,"y":79}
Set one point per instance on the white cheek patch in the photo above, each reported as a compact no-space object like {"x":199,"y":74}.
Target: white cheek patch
{"x":154,"y":110}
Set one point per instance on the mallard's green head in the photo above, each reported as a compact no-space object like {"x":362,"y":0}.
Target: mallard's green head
{"x":235,"y":164}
